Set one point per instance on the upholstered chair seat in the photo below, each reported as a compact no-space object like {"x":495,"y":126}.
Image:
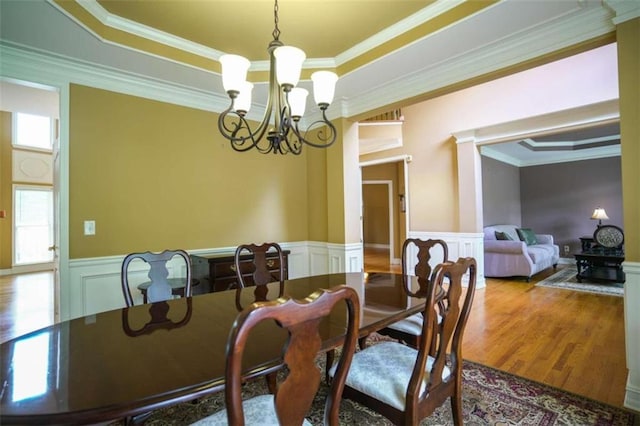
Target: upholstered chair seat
{"x":259,"y":410}
{"x":411,"y":325}
{"x":372,"y":373}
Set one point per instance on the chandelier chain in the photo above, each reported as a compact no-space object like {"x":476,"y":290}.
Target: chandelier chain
{"x":276,"y":30}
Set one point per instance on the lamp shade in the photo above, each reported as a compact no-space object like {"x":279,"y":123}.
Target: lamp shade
{"x":298,"y":101}
{"x":243,"y":101}
{"x":324,"y":85}
{"x":289,"y":61}
{"x":234,"y":71}
{"x":599,"y":214}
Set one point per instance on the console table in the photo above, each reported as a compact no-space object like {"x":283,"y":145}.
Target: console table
{"x":600,"y":266}
{"x":217,"y":273}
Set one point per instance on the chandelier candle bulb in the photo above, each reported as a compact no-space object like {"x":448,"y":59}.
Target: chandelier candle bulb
{"x":324,"y":85}
{"x":289,"y":61}
{"x":242,"y":102}
{"x":234,"y":72}
{"x":298,"y":102}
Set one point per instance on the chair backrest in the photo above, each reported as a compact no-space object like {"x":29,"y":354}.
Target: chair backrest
{"x":160,"y":320}
{"x":159,"y":289}
{"x":263,"y":272}
{"x":422,"y":269}
{"x":442,"y":341}
{"x":302,"y":320}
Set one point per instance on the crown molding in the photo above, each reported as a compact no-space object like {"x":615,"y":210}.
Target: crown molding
{"x":428,"y":13}
{"x":158,"y":36}
{"x":143,"y":31}
{"x":559,"y":157}
{"x":625,"y":9}
{"x":586,"y":24}
{"x":23,"y":63}
{"x":557,"y":122}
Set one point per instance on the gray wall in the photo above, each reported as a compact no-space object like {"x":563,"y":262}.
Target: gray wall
{"x":501,"y":193}
{"x":556,"y":199}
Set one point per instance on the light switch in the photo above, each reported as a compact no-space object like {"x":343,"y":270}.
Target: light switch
{"x":89,"y":227}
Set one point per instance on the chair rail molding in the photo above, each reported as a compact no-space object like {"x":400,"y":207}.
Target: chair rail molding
{"x":460,"y":244}
{"x":94,"y":283}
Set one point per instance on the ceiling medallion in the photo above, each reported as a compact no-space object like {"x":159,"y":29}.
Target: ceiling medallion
{"x":278,"y":132}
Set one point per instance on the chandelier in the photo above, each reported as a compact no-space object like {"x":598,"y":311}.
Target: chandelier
{"x":279,"y":131}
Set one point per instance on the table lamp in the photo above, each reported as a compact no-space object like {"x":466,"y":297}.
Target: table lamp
{"x":599,"y":214}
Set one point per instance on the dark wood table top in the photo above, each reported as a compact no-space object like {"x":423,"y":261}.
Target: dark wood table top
{"x":132,"y":360}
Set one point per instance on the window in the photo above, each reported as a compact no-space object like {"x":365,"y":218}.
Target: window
{"x":33,"y":131}
{"x":33,"y":227}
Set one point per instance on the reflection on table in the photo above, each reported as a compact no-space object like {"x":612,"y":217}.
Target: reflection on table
{"x":131,"y":360}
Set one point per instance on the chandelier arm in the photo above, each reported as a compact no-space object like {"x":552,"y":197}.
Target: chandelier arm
{"x":236,"y":124}
{"x":278,"y":130}
{"x":329,"y":139}
{"x":241,"y":123}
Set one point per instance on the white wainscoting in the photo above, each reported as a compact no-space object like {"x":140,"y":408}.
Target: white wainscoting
{"x":632,"y":333}
{"x":95,"y":282}
{"x":459,"y":245}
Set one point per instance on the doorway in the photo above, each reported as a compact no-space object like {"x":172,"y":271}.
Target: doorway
{"x":384,"y":212}
{"x":30,"y":227}
{"x":377,"y":224}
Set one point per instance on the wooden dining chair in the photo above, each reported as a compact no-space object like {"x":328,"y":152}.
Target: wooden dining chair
{"x":265,"y":270}
{"x":160,"y":287}
{"x":294,"y":397}
{"x":409,"y":330}
{"x":405,"y":384}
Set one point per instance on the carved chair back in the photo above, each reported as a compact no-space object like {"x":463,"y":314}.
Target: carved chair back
{"x":302,"y":319}
{"x":160,"y":289}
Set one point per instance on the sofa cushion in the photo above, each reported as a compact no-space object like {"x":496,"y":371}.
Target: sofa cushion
{"x":540,"y":252}
{"x":527,"y":235}
{"x":503,"y":236}
{"x":510,"y":230}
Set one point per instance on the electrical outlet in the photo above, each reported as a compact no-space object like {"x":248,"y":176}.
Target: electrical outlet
{"x":89,"y":227}
{"x":567,"y":249}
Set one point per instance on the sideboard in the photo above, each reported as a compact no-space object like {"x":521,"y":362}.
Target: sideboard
{"x":218,"y":272}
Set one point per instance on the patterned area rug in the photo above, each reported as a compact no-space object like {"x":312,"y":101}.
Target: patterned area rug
{"x":490,"y":397}
{"x":566,"y":278}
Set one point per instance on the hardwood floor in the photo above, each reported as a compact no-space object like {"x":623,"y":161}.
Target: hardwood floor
{"x":566,"y":339}
{"x":26,"y":303}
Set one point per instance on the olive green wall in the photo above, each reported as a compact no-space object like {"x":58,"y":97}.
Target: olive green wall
{"x":628,"y":34}
{"x":6,"y":201}
{"x":317,"y":194}
{"x":155,"y":175}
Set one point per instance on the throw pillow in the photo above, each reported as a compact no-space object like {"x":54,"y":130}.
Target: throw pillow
{"x":503,"y":236}
{"x":527,"y":235}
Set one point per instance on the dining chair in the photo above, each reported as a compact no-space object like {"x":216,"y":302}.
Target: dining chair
{"x":295,"y":394}
{"x":265,"y":270}
{"x":159,"y":287}
{"x":409,"y":329}
{"x":406,"y":384}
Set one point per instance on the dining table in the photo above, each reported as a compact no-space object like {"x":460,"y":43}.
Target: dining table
{"x":129,"y":361}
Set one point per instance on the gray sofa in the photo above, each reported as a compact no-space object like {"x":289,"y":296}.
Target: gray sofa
{"x":504,"y":258}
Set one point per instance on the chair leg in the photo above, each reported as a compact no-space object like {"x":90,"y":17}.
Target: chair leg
{"x":456,"y":407}
{"x":362,"y":342}
{"x":331,"y":354}
{"x":272,"y":381}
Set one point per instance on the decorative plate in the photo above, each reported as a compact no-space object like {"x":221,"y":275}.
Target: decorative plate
{"x":608,"y":236}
